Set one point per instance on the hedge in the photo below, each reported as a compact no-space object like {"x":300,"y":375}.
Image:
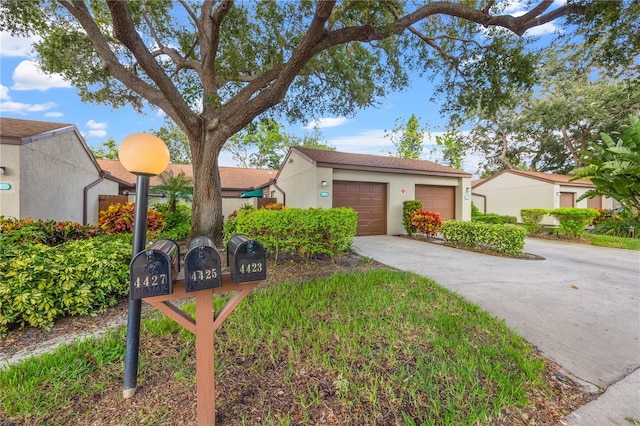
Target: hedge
{"x":573,"y":221}
{"x":298,"y":231}
{"x":508,"y":239}
{"x":41,"y":283}
{"x":532,"y":218}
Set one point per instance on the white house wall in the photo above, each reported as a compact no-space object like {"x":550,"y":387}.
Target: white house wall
{"x":507,"y":194}
{"x":53,"y":174}
{"x":105,"y":187}
{"x":10,"y":198}
{"x":298,"y":179}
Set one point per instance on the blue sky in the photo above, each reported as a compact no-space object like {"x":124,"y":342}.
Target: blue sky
{"x":27,"y":93}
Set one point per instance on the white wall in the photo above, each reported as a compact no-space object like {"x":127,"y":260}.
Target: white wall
{"x":10,"y":199}
{"x":53,"y":174}
{"x":507,"y":194}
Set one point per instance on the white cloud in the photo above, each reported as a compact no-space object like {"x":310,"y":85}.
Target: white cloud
{"x":20,"y":47}
{"x":54,"y":114}
{"x":326,"y":122}
{"x":545,"y":29}
{"x":4,"y":93}
{"x":97,"y":133}
{"x":96,"y":129}
{"x":94,"y":125}
{"x":22,"y":108}
{"x":370,"y":141}
{"x":27,"y":76}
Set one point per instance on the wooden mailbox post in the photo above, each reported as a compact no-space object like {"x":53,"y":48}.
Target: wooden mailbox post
{"x":203,"y":280}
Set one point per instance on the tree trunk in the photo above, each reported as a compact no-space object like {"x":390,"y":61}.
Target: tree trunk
{"x":206,"y":215}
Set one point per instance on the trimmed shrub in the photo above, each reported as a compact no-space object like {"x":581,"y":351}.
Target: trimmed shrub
{"x":573,"y":221}
{"x":299,"y":231}
{"x":495,"y":218}
{"x":532,"y":218}
{"x":118,"y":219}
{"x":425,"y":222}
{"x":409,"y":207}
{"x":508,"y":239}
{"x":475,"y":211}
{"x":42,"y":283}
{"x":48,"y":232}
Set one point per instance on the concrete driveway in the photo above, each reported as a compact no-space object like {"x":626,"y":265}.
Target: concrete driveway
{"x":580,"y":305}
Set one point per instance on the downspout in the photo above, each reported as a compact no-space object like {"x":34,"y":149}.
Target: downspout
{"x":484,"y":205}
{"x":284,"y":195}
{"x":85,"y":191}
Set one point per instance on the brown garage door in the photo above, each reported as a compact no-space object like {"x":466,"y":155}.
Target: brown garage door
{"x":441,"y":199}
{"x":594,"y":202}
{"x":368,"y":199}
{"x":567,"y":199}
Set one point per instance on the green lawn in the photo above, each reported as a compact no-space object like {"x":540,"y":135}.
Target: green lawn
{"x":387,"y":345}
{"x":611,"y":241}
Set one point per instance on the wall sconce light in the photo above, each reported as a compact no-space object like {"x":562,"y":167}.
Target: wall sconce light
{"x":468,"y":190}
{"x":3,"y":170}
{"x":324,"y":183}
{"x":557,"y":194}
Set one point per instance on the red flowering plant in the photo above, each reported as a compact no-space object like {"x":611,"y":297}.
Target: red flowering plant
{"x":118,"y":219}
{"x":425,"y":222}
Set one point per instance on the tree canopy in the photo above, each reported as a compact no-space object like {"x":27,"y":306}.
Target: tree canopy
{"x":214,"y":66}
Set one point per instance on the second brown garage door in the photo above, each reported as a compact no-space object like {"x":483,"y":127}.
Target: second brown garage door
{"x":441,"y":199}
{"x":368,"y":199}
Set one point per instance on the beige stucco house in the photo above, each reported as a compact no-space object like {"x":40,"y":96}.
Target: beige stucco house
{"x":49,"y":172}
{"x":509,"y":191}
{"x":235,"y":182}
{"x":375,"y":186}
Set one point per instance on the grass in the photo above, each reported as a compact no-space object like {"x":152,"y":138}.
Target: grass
{"x":612,"y":241}
{"x":392,"y":342}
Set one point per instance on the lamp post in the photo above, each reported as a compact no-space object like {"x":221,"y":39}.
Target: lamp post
{"x":144,"y":155}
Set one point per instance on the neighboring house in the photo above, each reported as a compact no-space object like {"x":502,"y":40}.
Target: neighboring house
{"x":375,"y":186}
{"x":509,"y":191}
{"x":49,"y":172}
{"x":236,"y":183}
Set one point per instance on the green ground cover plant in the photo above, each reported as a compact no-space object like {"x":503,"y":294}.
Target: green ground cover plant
{"x":41,"y":283}
{"x":612,"y":241}
{"x":381,"y":346}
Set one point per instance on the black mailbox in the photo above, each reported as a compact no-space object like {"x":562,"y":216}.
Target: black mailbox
{"x":246,"y":259}
{"x":202,"y":265}
{"x":153,"y":270}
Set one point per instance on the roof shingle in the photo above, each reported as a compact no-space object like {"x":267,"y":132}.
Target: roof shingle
{"x":350,"y":161}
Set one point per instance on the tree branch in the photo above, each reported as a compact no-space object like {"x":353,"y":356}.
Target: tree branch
{"x":125,"y":31}
{"x":503,"y":156}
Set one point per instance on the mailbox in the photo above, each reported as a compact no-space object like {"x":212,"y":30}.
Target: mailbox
{"x":153,"y":270}
{"x":246,"y":259}
{"x":202,"y":265}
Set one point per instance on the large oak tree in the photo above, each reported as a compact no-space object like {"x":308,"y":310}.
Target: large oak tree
{"x":216,"y":65}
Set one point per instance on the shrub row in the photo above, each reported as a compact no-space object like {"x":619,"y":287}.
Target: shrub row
{"x":494,"y":218}
{"x":508,"y":239}
{"x":573,"y":221}
{"x":48,"y":232}
{"x":41,"y":283}
{"x":298,"y":231}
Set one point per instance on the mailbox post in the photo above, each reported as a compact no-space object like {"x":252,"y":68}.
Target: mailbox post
{"x":143,"y":155}
{"x":202,"y":281}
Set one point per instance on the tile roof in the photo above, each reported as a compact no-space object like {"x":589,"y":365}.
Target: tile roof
{"x":230,"y":177}
{"x":350,"y":161}
{"x":18,"y":128}
{"x":545,"y":177}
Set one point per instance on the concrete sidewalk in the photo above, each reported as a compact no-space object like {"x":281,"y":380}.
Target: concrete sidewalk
{"x":580,"y":306}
